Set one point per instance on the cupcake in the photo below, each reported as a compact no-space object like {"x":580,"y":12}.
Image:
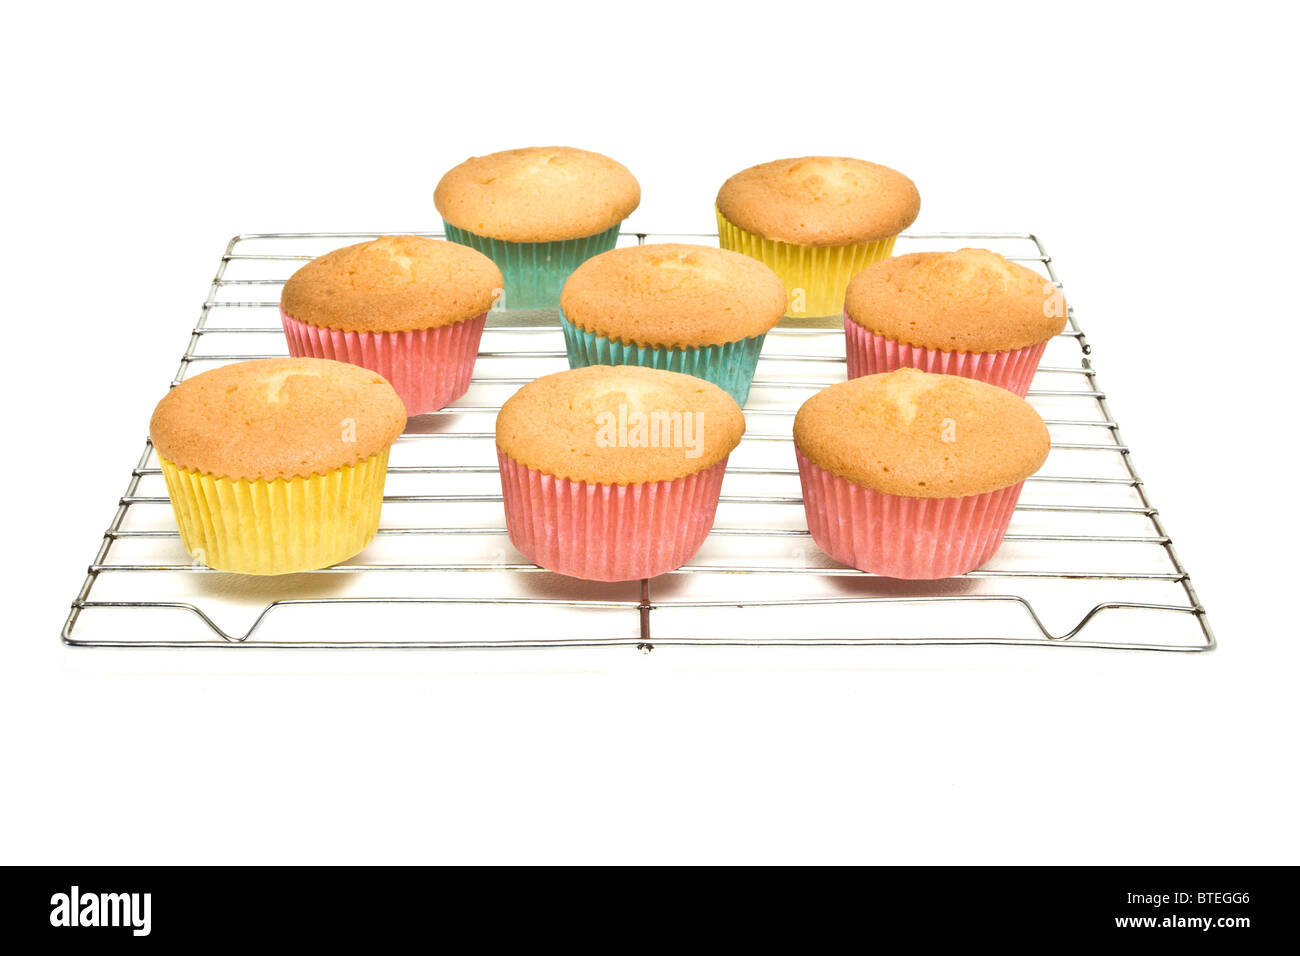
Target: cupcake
{"x":411,"y":309}
{"x":277,"y":465}
{"x":817,"y":222}
{"x":612,"y":473}
{"x":692,"y":309}
{"x":970,"y":313}
{"x":539,"y":213}
{"x":913,"y":475}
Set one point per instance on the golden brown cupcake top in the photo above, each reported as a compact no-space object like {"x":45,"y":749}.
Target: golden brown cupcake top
{"x":673,"y":295}
{"x":820,"y":201}
{"x":971,"y":300}
{"x":277,"y":418}
{"x":619,"y":425}
{"x":537,"y":194}
{"x":393,"y":284}
{"x":912,"y":433}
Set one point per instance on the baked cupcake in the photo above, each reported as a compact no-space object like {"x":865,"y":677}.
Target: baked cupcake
{"x":970,"y":313}
{"x":411,"y":309}
{"x":612,"y":473}
{"x":817,"y":221}
{"x":913,"y":475}
{"x":692,"y":309}
{"x":277,"y":465}
{"x":538,"y":213}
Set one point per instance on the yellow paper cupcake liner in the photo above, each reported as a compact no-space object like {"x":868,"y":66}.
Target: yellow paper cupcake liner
{"x":281,"y":525}
{"x":815,"y":277}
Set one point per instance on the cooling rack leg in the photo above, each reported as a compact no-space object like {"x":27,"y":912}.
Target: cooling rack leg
{"x":645,"y":647}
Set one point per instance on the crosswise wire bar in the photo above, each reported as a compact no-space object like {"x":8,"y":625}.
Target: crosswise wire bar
{"x":1089,"y":429}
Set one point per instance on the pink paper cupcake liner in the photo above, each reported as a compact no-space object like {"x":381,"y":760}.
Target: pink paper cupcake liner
{"x":429,"y":368}
{"x":900,"y":537}
{"x":608,"y":532}
{"x":869,"y":353}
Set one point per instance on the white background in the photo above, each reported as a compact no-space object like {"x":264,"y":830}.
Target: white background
{"x":1152,"y":148}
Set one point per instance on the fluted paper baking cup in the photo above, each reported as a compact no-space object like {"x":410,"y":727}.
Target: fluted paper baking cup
{"x":429,"y":368}
{"x":535,"y":272}
{"x":900,"y":537}
{"x":608,"y":532}
{"x":281,"y":525}
{"x":815,"y":277}
{"x":869,"y":353}
{"x":730,"y":366}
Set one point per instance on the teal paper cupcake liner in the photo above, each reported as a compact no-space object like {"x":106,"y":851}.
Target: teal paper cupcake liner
{"x":535,"y":272}
{"x":730,"y":366}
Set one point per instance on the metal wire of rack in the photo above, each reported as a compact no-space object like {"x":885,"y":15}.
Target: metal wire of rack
{"x":1087,"y":561}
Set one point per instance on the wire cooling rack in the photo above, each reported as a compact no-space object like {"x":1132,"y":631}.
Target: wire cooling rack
{"x":1086,"y":562}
